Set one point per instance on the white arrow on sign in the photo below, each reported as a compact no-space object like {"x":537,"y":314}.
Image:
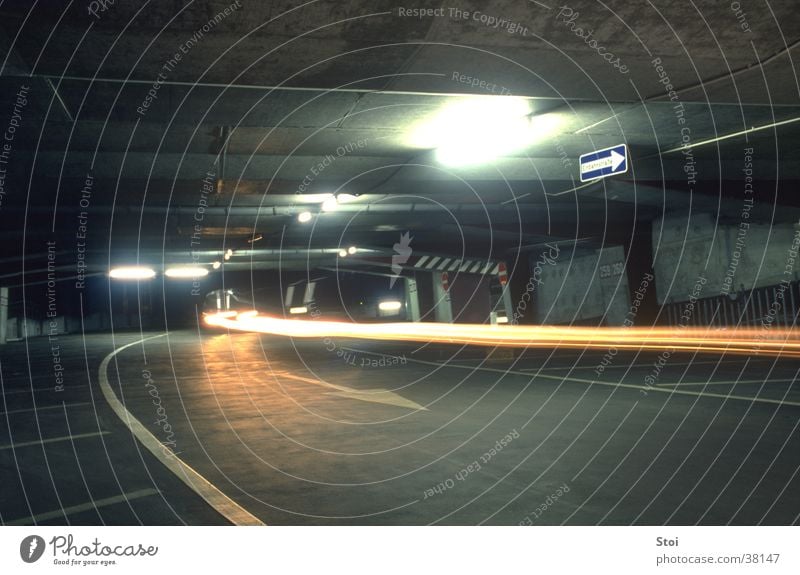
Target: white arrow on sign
{"x":614,"y":160}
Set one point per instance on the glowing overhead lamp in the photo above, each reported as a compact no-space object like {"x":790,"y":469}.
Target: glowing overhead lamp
{"x":330,"y":204}
{"x":478,"y":129}
{"x":346,"y":198}
{"x":132,"y":273}
{"x":186,"y":272}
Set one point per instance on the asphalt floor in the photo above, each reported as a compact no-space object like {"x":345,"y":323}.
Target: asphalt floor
{"x":313,"y":431}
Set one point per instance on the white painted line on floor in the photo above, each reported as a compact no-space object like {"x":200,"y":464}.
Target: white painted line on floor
{"x":57,"y":513}
{"x":48,"y":407}
{"x":223,"y":504}
{"x":384,"y":396}
{"x":53,"y":440}
{"x":726,"y":382}
{"x":612,"y":384}
{"x":727,"y":361}
{"x":39,"y":390}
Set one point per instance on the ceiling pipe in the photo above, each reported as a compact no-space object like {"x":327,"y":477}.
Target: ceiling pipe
{"x":223,"y":86}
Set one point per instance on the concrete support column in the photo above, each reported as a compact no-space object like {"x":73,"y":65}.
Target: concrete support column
{"x":443,"y":309}
{"x":639,"y":267}
{"x":287,"y":301}
{"x":412,"y":299}
{"x":3,"y":313}
{"x":507,"y":303}
{"x":308,"y":295}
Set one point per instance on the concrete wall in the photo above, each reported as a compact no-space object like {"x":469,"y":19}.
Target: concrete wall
{"x":580,"y":288}
{"x":682,"y":254}
{"x":21,"y":328}
{"x":470,"y":298}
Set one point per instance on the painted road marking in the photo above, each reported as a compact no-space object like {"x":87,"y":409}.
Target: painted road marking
{"x":57,"y":513}
{"x":53,"y":440}
{"x":384,"y":396}
{"x":727,"y":361}
{"x":223,"y":504}
{"x":37,"y":409}
{"x":38,"y":390}
{"x":608,"y":383}
{"x":728,"y":382}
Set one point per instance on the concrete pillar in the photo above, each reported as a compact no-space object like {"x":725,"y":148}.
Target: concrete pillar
{"x":443,"y":309}
{"x":639,"y":266}
{"x":308,"y":296}
{"x":287,"y":301}
{"x":507,"y":303}
{"x":3,"y":313}
{"x":412,"y":300}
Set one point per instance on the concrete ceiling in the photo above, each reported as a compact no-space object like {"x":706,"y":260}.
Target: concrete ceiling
{"x":275,"y":88}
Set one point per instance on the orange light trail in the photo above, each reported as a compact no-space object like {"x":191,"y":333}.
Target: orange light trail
{"x":759,"y":341}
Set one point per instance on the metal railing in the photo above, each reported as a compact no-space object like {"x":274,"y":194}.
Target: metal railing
{"x":776,"y":304}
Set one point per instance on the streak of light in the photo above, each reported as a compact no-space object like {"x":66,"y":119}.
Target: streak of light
{"x":769,"y":341}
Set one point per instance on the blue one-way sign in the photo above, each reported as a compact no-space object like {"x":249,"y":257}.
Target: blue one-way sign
{"x":602,"y":163}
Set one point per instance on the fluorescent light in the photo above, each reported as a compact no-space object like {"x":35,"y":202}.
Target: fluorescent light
{"x":346,"y":198}
{"x":301,"y":309}
{"x":304,"y":217}
{"x":330,"y":204}
{"x":352,"y":249}
{"x":186,"y":272}
{"x":216,"y":265}
{"x":132,"y":273}
{"x":390,"y":305}
{"x":229,"y":253}
{"x":502,"y":319}
{"x":342,"y":253}
{"x":314,"y":198}
{"x":479,"y":129}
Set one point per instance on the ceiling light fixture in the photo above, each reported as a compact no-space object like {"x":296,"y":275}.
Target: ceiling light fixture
{"x":313,"y":198}
{"x":304,"y":217}
{"x":342,"y":253}
{"x":186,"y":272}
{"x":352,"y":249}
{"x":479,"y":129}
{"x":330,"y":204}
{"x":132,"y":273}
{"x":346,"y":198}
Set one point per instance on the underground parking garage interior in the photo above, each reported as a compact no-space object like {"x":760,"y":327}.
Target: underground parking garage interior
{"x":373,"y":264}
